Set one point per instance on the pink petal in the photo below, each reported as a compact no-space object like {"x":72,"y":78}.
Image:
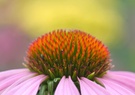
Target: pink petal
{"x":1,"y":92}
{"x":89,"y":87}
{"x":8,"y":73}
{"x":114,"y":88}
{"x":85,"y":89}
{"x":33,"y":89}
{"x":28,"y":87}
{"x":124,"y":73}
{"x":6,"y":81}
{"x":17,"y":82}
{"x":125,"y":79}
{"x":66,"y":87}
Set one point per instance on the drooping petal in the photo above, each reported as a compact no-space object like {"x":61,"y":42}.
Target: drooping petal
{"x":124,"y":79}
{"x":8,"y":73}
{"x":33,"y":89}
{"x":89,"y":87}
{"x":17,"y":82}
{"x":124,"y":73}
{"x":28,"y":87}
{"x":1,"y":92}
{"x":66,"y":87}
{"x":115,"y":88}
{"x":85,"y":89}
{"x":9,"y":77}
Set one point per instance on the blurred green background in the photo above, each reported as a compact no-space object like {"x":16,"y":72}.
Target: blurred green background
{"x":111,"y":21}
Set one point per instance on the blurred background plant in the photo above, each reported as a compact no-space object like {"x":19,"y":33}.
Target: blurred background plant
{"x":111,"y":21}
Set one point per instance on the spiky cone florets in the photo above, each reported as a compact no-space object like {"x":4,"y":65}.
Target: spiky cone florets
{"x":68,"y":52}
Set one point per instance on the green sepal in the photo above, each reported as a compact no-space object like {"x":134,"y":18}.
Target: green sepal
{"x":74,"y":76}
{"x":50,"y":87}
{"x":91,"y":76}
{"x":98,"y":82}
{"x":51,"y":74}
{"x":42,"y":90}
{"x":56,"y":80}
{"x":102,"y":74}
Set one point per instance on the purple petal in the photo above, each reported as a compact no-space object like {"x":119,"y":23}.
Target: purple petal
{"x":124,"y":79}
{"x":66,"y":87}
{"x":115,"y":88}
{"x":28,"y":87}
{"x":89,"y":87}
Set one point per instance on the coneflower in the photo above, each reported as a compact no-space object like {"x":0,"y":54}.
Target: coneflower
{"x":67,"y":62}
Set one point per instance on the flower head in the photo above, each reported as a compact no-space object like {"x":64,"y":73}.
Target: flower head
{"x":67,"y":63}
{"x":69,"y":53}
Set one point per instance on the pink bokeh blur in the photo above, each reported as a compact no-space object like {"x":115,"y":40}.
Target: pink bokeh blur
{"x":13,"y":44}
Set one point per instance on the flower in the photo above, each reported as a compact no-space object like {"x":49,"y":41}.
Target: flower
{"x":67,"y":62}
